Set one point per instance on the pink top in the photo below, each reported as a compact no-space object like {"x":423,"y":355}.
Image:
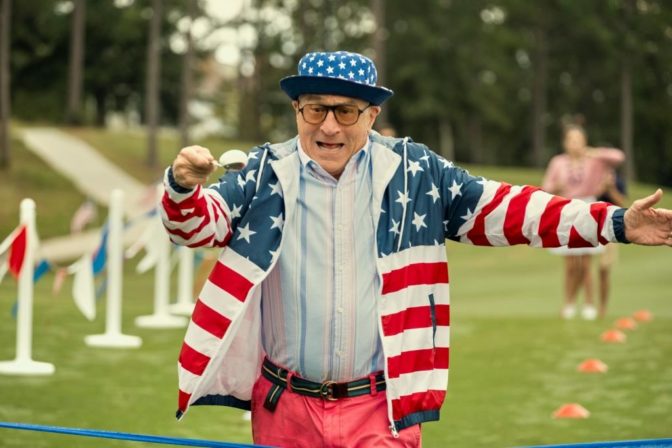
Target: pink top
{"x":581,"y":178}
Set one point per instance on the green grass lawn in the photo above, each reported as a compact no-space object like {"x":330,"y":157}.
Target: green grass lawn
{"x":513,"y":360}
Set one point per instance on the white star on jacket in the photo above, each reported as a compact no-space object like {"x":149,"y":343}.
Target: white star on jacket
{"x":250,"y":176}
{"x":278,"y":222}
{"x":418,"y":221}
{"x":455,"y":189}
{"x":395,"y":227}
{"x":245,"y":232}
{"x":403,"y":198}
{"x":434,"y":193}
{"x":235,"y":211}
{"x":414,"y":167}
{"x":468,"y":216}
{"x":276,"y":189}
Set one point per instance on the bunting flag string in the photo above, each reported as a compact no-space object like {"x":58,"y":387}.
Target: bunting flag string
{"x":86,"y":291}
{"x":13,"y":252}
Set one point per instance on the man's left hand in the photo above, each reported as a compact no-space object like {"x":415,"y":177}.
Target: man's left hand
{"x":646,"y":225}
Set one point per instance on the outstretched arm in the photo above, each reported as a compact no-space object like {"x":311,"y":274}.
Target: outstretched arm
{"x":647,"y":225}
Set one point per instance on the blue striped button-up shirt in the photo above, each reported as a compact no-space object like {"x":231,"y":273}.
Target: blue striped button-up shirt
{"x":318,"y":303}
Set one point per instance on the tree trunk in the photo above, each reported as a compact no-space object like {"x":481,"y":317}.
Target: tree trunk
{"x":5,"y":103}
{"x":539,"y":99}
{"x":446,"y":139}
{"x":101,"y":107}
{"x":475,"y":136}
{"x":187,"y":77}
{"x":627,"y":121}
{"x":379,"y":38}
{"x":152,"y":84}
{"x":73,"y":114}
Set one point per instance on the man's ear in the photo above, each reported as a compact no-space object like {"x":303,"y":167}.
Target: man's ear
{"x":373,"y":114}
{"x":295,"y":105}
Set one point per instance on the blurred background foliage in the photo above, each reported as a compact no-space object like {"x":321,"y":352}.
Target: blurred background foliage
{"x":480,"y":81}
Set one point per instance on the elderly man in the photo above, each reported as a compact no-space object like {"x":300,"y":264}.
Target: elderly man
{"x":327,"y":312}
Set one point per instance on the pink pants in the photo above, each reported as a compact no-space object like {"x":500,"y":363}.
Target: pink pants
{"x":301,"y":421}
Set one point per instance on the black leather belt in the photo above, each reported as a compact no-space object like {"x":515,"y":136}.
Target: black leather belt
{"x":329,"y":390}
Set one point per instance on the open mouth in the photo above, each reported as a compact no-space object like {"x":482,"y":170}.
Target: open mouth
{"x":332,"y":146}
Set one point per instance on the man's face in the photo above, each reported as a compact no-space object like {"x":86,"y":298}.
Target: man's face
{"x":330,"y":143}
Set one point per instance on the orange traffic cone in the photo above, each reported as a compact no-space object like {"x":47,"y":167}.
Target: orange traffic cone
{"x":626,"y":323}
{"x":643,"y":315}
{"x":592,"y":366}
{"x":613,"y":336}
{"x":571,"y":410}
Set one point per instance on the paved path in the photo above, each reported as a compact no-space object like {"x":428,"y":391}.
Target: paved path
{"x":93,"y":175}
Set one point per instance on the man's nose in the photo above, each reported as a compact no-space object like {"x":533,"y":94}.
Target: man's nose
{"x":330,"y":126}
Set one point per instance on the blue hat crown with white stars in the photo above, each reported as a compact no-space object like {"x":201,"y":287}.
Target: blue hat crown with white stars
{"x":336,"y":73}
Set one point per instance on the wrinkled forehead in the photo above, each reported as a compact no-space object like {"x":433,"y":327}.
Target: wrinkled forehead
{"x":330,"y":100}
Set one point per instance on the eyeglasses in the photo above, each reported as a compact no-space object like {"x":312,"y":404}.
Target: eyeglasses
{"x":345,"y":114}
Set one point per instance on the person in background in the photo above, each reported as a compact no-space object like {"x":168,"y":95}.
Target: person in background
{"x":387,"y":130}
{"x":613,"y":191}
{"x":579,"y":173}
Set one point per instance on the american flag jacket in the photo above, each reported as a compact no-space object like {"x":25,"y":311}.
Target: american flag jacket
{"x":419,"y":201}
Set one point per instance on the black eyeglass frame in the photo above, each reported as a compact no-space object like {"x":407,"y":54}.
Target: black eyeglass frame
{"x":333,"y":110}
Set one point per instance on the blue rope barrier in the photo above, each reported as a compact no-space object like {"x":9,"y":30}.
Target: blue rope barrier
{"x":122,"y":436}
{"x":649,"y":443}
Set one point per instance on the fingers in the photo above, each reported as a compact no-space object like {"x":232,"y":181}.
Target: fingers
{"x":649,"y":201}
{"x":192,"y":166}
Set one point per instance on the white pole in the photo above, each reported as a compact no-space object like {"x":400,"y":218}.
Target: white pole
{"x":24,"y":364}
{"x":185,"y":283}
{"x":115,"y":247}
{"x":161,"y":317}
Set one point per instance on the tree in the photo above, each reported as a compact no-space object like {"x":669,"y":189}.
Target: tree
{"x":187,"y":75}
{"x":379,"y":48}
{"x":74,"y":109}
{"x":5,"y":102}
{"x":153,"y":83}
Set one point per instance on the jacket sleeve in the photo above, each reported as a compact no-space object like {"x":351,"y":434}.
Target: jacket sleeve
{"x":488,"y":213}
{"x":207,"y":217}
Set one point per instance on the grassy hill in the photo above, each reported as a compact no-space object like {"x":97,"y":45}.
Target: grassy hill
{"x":513,"y":360}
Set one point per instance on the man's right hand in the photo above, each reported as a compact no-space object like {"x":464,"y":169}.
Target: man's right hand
{"x":192,"y":166}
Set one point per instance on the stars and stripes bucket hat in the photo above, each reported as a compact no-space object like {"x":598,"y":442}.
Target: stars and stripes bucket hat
{"x":336,"y":73}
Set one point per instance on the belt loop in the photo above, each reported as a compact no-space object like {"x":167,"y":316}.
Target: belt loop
{"x":290,"y":374}
{"x":372,"y":380}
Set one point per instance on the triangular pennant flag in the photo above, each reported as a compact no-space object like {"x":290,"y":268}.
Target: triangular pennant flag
{"x":83,"y":288}
{"x":17,"y":252}
{"x":40,"y":269}
{"x":100,"y":257}
{"x":154,"y":239}
{"x":9,"y":240}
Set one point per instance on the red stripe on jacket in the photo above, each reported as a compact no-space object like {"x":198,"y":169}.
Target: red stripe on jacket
{"x":417,"y":402}
{"x":210,"y":320}
{"x":515,"y":216}
{"x":415,"y":317}
{"x":174,"y":209}
{"x":477,"y":233}
{"x":183,"y":400}
{"x":599,"y":211}
{"x":230,"y":281}
{"x":550,"y":219}
{"x":576,"y":240}
{"x":415,"y":274}
{"x":418,"y":360}
{"x":192,"y":360}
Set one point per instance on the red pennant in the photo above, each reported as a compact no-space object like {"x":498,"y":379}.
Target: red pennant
{"x":17,"y":252}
